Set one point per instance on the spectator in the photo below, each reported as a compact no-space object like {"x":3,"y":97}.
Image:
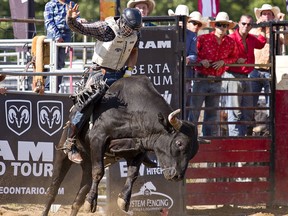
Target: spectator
{"x":195,"y":24}
{"x":214,"y":51}
{"x":191,"y":48}
{"x":58,"y":30}
{"x":116,"y":45}
{"x":266,"y":13}
{"x":246,"y":43}
{"x":145,"y":6}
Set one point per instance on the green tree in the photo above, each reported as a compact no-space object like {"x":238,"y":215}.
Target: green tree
{"x":90,"y":10}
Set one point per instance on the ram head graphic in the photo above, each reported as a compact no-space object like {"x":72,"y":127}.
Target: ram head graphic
{"x":50,"y":116}
{"x":18,"y":115}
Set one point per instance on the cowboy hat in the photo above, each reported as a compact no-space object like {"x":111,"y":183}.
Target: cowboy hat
{"x":275,"y":10}
{"x":150,"y":4}
{"x":196,"y":16}
{"x":222,"y":17}
{"x":180,"y":10}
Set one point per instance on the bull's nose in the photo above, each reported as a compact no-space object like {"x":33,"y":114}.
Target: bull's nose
{"x":177,"y":178}
{"x":172,"y":175}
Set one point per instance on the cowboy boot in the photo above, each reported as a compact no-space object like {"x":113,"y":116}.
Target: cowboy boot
{"x":70,"y":145}
{"x":74,"y":155}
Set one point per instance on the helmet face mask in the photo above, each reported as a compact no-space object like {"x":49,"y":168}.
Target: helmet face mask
{"x":125,"y":30}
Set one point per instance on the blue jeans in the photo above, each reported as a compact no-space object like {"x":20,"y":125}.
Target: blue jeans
{"x":112,"y":77}
{"x":66,"y":35}
{"x":212,"y":102}
{"x":60,"y":65}
{"x":258,"y":85}
{"x":239,"y":86}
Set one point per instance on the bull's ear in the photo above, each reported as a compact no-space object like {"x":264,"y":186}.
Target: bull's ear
{"x":161,"y":118}
{"x":164,"y":121}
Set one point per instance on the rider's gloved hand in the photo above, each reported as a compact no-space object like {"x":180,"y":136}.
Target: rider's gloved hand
{"x":128,"y":72}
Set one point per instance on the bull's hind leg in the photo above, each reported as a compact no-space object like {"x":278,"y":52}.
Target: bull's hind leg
{"x":61,"y":166}
{"x":124,"y":197}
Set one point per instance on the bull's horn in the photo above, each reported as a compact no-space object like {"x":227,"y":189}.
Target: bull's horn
{"x":174,"y":121}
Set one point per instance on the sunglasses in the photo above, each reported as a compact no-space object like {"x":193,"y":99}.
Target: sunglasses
{"x":221,"y":25}
{"x":195,"y":23}
{"x":248,"y":24}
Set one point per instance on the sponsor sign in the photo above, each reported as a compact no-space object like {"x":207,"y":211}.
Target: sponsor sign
{"x":158,"y":59}
{"x":30,"y":129}
{"x":151,"y":192}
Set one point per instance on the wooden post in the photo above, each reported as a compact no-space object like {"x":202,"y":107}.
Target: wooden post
{"x":108,"y":8}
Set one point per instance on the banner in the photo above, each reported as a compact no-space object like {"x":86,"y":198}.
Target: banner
{"x":22,"y":10}
{"x":209,"y":8}
{"x":159,"y":61}
{"x":31,"y":126}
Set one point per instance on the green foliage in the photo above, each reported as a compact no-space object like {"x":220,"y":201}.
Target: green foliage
{"x":235,"y":8}
{"x":162,"y":7}
{"x":90,"y":10}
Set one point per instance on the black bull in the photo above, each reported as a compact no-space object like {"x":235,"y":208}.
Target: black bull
{"x":132,"y":119}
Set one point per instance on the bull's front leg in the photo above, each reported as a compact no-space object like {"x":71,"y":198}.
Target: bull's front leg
{"x":124,"y":197}
{"x":84,"y":186}
{"x":97,"y":175}
{"x":61,"y":166}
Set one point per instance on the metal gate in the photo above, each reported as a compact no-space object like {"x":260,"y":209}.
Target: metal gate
{"x":247,"y":170}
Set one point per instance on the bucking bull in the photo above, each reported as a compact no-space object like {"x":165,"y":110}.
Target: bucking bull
{"x":131,"y":120}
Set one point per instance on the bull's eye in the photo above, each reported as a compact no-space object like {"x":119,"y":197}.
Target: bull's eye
{"x":178,"y":143}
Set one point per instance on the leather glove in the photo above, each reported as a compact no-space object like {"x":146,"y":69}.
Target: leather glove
{"x":128,"y":72}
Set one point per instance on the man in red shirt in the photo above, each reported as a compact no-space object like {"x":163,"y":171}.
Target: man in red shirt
{"x":246,"y":43}
{"x":214,"y":51}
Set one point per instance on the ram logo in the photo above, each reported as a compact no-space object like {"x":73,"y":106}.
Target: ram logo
{"x":50,"y":116}
{"x":18,"y":115}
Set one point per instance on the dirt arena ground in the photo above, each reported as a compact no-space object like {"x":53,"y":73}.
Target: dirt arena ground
{"x":33,"y":210}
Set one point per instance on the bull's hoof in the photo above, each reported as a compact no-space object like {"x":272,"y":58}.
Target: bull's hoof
{"x":87,"y":207}
{"x":90,"y":207}
{"x":122,"y":204}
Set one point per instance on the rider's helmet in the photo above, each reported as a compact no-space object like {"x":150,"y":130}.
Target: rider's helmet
{"x":130,"y":20}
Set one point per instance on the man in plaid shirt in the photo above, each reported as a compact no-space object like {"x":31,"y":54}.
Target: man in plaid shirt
{"x":57,"y":29}
{"x":115,"y":55}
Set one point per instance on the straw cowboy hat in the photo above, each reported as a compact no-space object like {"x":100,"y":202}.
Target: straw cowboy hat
{"x":196,"y":16}
{"x":275,"y":10}
{"x":180,"y":10}
{"x":222,"y":17}
{"x":150,"y":4}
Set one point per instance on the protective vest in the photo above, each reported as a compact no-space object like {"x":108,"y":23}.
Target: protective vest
{"x":114,"y":54}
